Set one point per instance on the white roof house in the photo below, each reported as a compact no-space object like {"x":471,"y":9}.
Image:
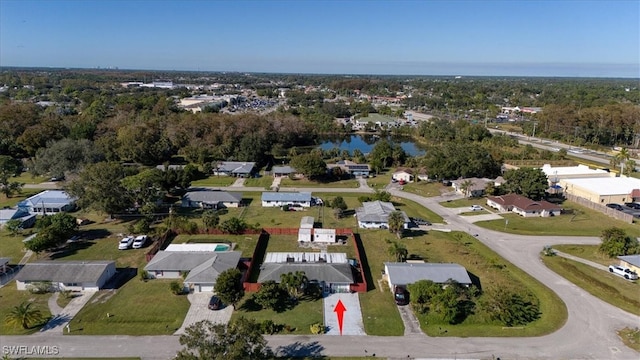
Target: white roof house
{"x":49,"y":202}
{"x":234,"y":168}
{"x":604,"y":190}
{"x":67,"y":275}
{"x":211,"y":199}
{"x":375,"y":215}
{"x":277,"y":199}
{"x":403,"y":274}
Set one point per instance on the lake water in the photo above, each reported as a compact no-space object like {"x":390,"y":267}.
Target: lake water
{"x":365,"y":143}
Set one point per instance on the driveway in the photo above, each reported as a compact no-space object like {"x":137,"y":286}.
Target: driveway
{"x":411,"y":323}
{"x":199,"y":311}
{"x":352,"y":318}
{"x":62,"y":317}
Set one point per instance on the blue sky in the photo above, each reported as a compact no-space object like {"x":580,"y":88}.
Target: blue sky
{"x":510,"y":38}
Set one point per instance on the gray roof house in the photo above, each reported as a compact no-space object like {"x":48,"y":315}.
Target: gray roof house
{"x":630,"y":261}
{"x":26,"y":219}
{"x":234,"y":168}
{"x":203,"y":267}
{"x":286,"y":170}
{"x":276,"y":199}
{"x":67,"y":275}
{"x":48,"y":202}
{"x":403,"y":274}
{"x":211,"y":199}
{"x":331,"y":269}
{"x":375,"y":215}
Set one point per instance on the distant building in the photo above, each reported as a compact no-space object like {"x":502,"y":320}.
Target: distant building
{"x":211,"y":199}
{"x":476,"y":189}
{"x":49,"y":202}
{"x":277,"y":199}
{"x":235,"y":168}
{"x":351,"y":168}
{"x":280,"y":171}
{"x":523,"y":206}
{"x":604,"y":190}
{"x":375,"y":215}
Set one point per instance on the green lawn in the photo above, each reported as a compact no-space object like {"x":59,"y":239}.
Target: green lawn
{"x":631,"y":338}
{"x":601,"y":284}
{"x":589,"y":252}
{"x":10,"y":297}
{"x":350,"y":183}
{"x":299,"y":318}
{"x":379,"y":181}
{"x":426,"y":188}
{"x":380,"y":319}
{"x":137,"y":308}
{"x":262,"y":181}
{"x":16,"y":198}
{"x":12,"y":245}
{"x":214,"y":181}
{"x":464,"y":202}
{"x":586,"y":223}
{"x":28,"y":178}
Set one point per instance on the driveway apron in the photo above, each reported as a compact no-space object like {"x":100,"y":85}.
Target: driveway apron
{"x":352,"y":317}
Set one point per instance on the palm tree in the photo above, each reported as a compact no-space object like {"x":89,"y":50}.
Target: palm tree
{"x":24,"y":315}
{"x":465,"y":186}
{"x":622,"y":157}
{"x":295,"y":283}
{"x":399,"y":251}
{"x":396,"y":223}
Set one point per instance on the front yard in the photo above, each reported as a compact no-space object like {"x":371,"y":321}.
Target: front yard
{"x":10,"y":298}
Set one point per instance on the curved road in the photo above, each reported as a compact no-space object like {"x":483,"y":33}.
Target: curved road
{"x":589,"y":333}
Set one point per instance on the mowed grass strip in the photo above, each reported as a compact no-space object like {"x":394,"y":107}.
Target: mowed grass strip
{"x":586,"y":222}
{"x":601,"y":284}
{"x":214,"y":181}
{"x":303,"y":183}
{"x":426,"y":188}
{"x":630,"y":337}
{"x":11,"y":298}
{"x":588,"y":252}
{"x":136,"y":308}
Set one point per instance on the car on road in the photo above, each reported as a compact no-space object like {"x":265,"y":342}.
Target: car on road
{"x":476,"y":208}
{"x":401,"y":295}
{"x":623,"y":271}
{"x":139,"y":241}
{"x":633,"y":205}
{"x":215,"y":303}
{"x":615,"y":207}
{"x":125,"y":243}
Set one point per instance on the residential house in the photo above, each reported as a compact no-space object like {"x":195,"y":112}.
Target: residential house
{"x":282,"y":171}
{"x":170,"y":167}
{"x":331,"y":270}
{"x":422,"y":174}
{"x":49,"y":202}
{"x":351,"y":168}
{"x":211,"y":199}
{"x":4,"y":264}
{"x":523,"y":206}
{"x":234,"y":168}
{"x":67,"y":275}
{"x":403,"y":274}
{"x":202,"y":266}
{"x":476,"y":186}
{"x":277,"y":199}
{"x":630,"y":261}
{"x":26,"y":219}
{"x":375,"y":215}
{"x":405,"y":175}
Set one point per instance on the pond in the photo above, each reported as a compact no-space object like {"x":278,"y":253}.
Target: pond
{"x":365,"y":143}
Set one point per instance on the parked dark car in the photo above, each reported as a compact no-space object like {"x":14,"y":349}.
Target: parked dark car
{"x":401,"y":295}
{"x":633,"y":205}
{"x":615,"y":206}
{"x":215,"y":303}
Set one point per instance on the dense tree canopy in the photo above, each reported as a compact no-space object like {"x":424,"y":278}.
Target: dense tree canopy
{"x":526,"y":181}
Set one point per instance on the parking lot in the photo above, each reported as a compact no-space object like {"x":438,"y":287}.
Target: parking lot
{"x":199,"y":311}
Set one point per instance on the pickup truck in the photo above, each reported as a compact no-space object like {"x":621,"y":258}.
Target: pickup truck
{"x":623,"y":271}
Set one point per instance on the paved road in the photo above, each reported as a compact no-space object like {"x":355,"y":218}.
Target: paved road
{"x":589,"y":332}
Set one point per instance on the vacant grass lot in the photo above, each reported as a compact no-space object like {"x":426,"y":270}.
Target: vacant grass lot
{"x":465,"y":202}
{"x":262,"y":181}
{"x":12,"y":298}
{"x":601,"y":284}
{"x":586,"y":223}
{"x":350,"y":183}
{"x":137,"y":308}
{"x":426,"y":188}
{"x":12,"y":245}
{"x":214,"y":181}
{"x":479,"y":260}
{"x":28,"y":178}
{"x":589,"y":252}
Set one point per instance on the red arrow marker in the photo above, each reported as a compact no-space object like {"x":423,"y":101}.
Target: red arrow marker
{"x":339,"y":310}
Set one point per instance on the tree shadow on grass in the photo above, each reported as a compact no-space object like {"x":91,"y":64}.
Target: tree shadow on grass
{"x":300,"y":350}
{"x":122,"y":276}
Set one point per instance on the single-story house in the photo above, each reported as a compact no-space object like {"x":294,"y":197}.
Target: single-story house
{"x":403,"y":274}
{"x":234,"y":168}
{"x":280,"y":171}
{"x":211,"y":199}
{"x":375,"y":215}
{"x":630,"y":261}
{"x":523,"y":206}
{"x":67,"y":275}
{"x":422,"y":174}
{"x":331,"y":270}
{"x":170,"y":167}
{"x":49,"y":202}
{"x":351,"y":168}
{"x":202,"y":267}
{"x":26,"y":219}
{"x":405,"y":175}
{"x":277,"y":199}
{"x":476,"y":187}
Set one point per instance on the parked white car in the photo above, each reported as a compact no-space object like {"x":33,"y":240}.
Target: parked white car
{"x":125,"y":243}
{"x":476,"y":208}
{"x":139,"y":241}
{"x":623,"y":271}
